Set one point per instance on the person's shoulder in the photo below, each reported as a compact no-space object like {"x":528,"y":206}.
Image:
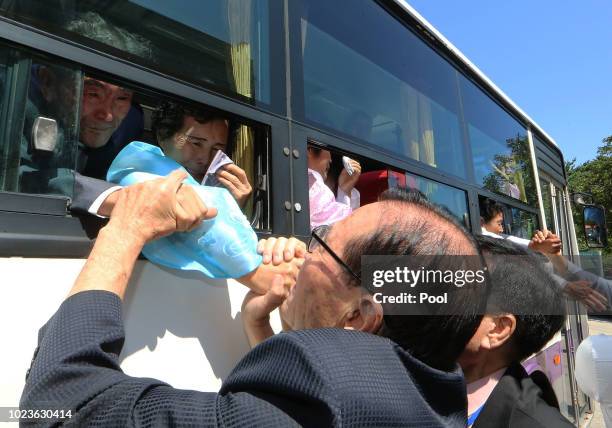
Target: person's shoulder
{"x":519,"y":400}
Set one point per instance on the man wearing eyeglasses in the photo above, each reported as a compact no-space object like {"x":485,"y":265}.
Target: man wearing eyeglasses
{"x":392,"y":371}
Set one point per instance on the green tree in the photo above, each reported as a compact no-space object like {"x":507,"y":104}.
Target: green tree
{"x":594,"y":177}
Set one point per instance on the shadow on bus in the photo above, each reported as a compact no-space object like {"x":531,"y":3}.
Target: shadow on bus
{"x":181,"y":327}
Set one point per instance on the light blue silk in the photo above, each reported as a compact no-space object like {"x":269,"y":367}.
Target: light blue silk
{"x":223,"y":247}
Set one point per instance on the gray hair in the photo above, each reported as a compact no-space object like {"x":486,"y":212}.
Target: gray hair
{"x":93,"y":26}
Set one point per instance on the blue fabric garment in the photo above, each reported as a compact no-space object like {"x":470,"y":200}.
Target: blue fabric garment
{"x":223,"y":247}
{"x":472,"y":418}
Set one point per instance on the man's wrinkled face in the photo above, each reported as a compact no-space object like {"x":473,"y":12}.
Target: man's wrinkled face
{"x":103,"y":109}
{"x":321,"y":296}
{"x":195,"y":144}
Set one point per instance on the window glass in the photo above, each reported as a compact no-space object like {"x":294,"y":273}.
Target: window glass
{"x":547,"y":205}
{"x":451,"y":198}
{"x":402,"y":98}
{"x":39,"y":124}
{"x":500,"y":150}
{"x":523,"y":223}
{"x":221,"y":44}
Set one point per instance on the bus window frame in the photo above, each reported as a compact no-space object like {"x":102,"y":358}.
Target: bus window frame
{"x":304,"y":133}
{"x":33,"y":232}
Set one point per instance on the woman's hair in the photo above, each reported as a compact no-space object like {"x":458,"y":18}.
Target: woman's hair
{"x":489,"y":209}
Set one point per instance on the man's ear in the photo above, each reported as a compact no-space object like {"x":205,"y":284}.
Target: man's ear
{"x":367,"y":317}
{"x":502,"y":329}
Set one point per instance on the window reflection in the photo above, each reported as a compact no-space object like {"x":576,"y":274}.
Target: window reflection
{"x":500,"y":150}
{"x":222,"y":44}
{"x":547,"y":204}
{"x":523,"y":223}
{"x":404,"y":100}
{"x":454,"y":200}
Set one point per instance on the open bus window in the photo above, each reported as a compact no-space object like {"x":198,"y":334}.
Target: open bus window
{"x":329,"y":203}
{"x":500,"y":218}
{"x":56,"y":121}
{"x":198,"y":138}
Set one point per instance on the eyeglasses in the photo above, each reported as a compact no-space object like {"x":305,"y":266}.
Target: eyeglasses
{"x":317,"y":237}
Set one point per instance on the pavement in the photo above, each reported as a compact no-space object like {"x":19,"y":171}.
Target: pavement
{"x":599,"y":325}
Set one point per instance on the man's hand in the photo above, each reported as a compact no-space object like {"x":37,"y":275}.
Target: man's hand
{"x":278,"y":250}
{"x":157,"y":208}
{"x":256,"y":309}
{"x":260,"y":280}
{"x":583,"y":292}
{"x":545,"y":242}
{"x":143,"y":212}
{"x":346,"y":182}
{"x":235,"y":180}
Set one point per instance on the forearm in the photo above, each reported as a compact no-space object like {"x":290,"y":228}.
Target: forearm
{"x":258,"y":331}
{"x":110,"y":263}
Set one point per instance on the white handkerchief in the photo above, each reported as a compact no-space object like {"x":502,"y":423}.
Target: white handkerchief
{"x":346,"y":161}
{"x":220,"y":160}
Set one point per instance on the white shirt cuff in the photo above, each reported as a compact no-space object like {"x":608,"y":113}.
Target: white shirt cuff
{"x":93,"y":209}
{"x":343,"y":198}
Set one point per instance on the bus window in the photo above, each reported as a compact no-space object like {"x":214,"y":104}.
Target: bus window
{"x":500,"y":218}
{"x":220,"y":44}
{"x":547,"y":203}
{"x":193,"y":134}
{"x":500,"y":151}
{"x":400,"y":97}
{"x":40,"y":124}
{"x":65,"y":122}
{"x":523,"y":224}
{"x":452,"y":199}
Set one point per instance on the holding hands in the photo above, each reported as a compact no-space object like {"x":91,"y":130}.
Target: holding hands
{"x":546,"y":242}
{"x":156,"y":208}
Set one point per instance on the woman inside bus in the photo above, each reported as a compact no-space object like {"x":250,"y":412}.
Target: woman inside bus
{"x":491,"y":217}
{"x":193,"y":138}
{"x":324,"y":207}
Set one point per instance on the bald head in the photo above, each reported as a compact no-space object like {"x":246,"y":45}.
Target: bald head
{"x":405,"y":223}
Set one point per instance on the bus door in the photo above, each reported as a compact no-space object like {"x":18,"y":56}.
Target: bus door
{"x":574,"y":402}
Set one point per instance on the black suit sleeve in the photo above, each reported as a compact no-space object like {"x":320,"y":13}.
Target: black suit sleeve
{"x":86,"y":190}
{"x":76,"y":368}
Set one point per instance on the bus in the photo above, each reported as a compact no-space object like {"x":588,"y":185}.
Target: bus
{"x":368,"y":79}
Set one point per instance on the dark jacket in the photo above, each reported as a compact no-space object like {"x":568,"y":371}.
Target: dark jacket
{"x":318,"y":378}
{"x":518,"y":401}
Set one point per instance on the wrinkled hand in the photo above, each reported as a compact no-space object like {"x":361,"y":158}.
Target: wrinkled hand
{"x":346,"y":182}
{"x":545,"y":242}
{"x":256,"y":308}
{"x":260,"y":280}
{"x":235,"y":180}
{"x":277,"y":250}
{"x":583,"y":292}
{"x":156,"y":208}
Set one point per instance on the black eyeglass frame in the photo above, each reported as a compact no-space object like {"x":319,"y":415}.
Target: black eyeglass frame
{"x":314,"y":235}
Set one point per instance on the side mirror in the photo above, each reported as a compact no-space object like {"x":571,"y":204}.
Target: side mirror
{"x":594,"y":220}
{"x":44,"y":134}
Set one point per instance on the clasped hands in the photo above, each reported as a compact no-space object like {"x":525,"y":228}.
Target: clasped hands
{"x":156,"y":208}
